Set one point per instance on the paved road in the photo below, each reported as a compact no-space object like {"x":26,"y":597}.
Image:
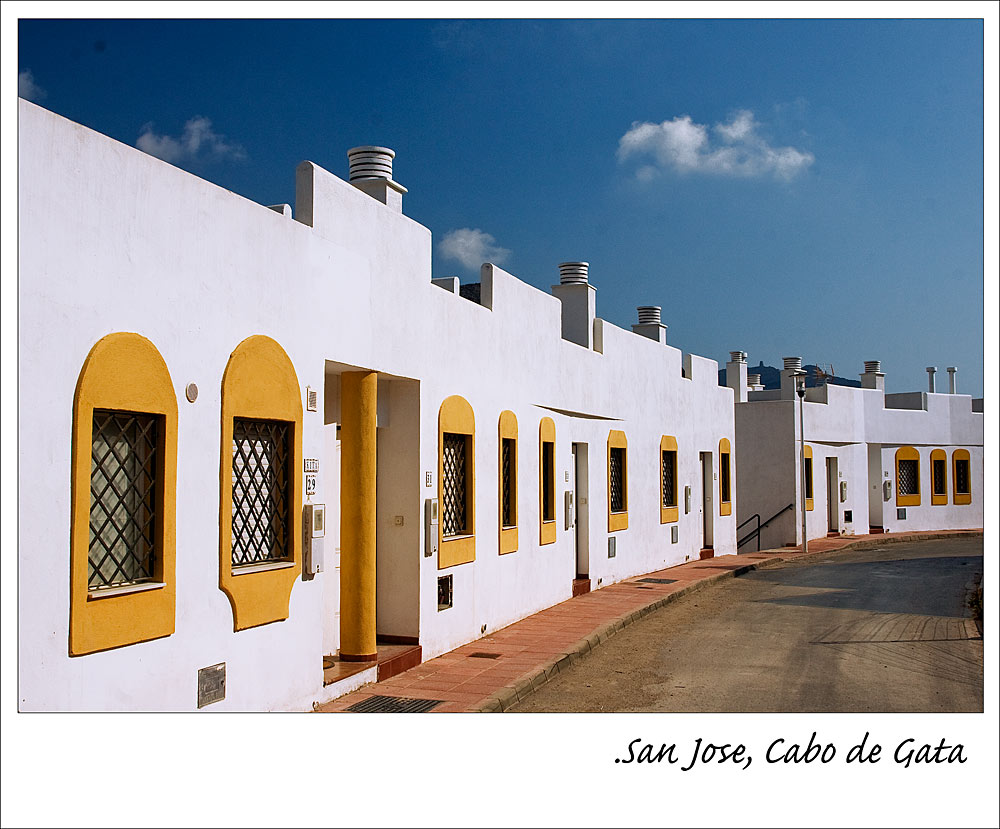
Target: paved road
{"x":875,"y":630}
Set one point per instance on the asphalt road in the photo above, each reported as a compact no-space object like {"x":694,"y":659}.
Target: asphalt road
{"x":876,"y":630}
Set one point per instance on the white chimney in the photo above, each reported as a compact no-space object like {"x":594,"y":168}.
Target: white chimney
{"x":793,"y":365}
{"x":873,"y":378}
{"x":931,"y":370}
{"x":649,"y":324}
{"x":371,"y":172}
{"x":736,"y":375}
{"x":753,"y":383}
{"x":579,"y":303}
{"x":952,"y":380}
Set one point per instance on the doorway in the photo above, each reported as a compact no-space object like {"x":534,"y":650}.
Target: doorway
{"x":832,"y":496}
{"x":707,"y":490}
{"x":581,"y":512}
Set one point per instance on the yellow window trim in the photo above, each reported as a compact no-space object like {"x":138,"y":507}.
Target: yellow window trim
{"x":259,"y":382}
{"x":808,"y":452}
{"x":936,"y":499}
{"x":456,"y":417}
{"x":907,"y":453}
{"x":618,"y":520}
{"x":546,"y":434}
{"x":961,"y":498}
{"x":668,"y":515}
{"x":507,"y":429}
{"x":123,"y":371}
{"x":726,"y":457}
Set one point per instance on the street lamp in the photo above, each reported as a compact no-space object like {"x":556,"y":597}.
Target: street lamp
{"x":800,"y":389}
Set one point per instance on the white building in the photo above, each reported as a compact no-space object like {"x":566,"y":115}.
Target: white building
{"x":874,"y":462}
{"x":197,"y":372}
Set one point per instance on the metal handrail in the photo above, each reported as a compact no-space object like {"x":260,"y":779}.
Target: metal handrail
{"x":760,"y":526}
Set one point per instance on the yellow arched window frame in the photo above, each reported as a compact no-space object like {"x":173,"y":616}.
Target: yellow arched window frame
{"x":617,"y":481}
{"x":939,"y":477}
{"x":507,"y":448}
{"x":260,"y":387}
{"x":456,"y":482}
{"x":546,"y":481}
{"x":669,"y":511}
{"x":907,"y":477}
{"x":725,"y":478}
{"x":124,"y":378}
{"x":962,"y":476}
{"x":808,"y":476}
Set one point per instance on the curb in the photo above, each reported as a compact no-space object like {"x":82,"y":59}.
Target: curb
{"x":505,"y":698}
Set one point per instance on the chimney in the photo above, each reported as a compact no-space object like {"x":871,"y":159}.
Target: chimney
{"x":952,"y":381}
{"x":792,"y":365}
{"x":873,"y":378}
{"x":371,"y":172}
{"x":736,"y":375}
{"x":579,"y":303}
{"x":931,"y":370}
{"x":649,"y":324}
{"x":753,"y":383}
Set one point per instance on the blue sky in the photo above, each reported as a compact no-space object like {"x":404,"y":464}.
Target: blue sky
{"x":809,"y":188}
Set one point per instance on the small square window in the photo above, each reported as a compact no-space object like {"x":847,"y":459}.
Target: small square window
{"x":668,"y":476}
{"x":616,"y":471}
{"x":909,"y":480}
{"x":454,"y":518}
{"x":261,"y":492}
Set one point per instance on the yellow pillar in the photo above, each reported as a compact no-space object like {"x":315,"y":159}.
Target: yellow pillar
{"x":358,"y":397}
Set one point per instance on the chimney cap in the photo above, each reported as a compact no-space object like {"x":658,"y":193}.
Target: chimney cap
{"x":648,"y":313}
{"x":793,"y":363}
{"x":370,"y":162}
{"x":737,"y":356}
{"x":573,"y":273}
{"x":873,"y":366}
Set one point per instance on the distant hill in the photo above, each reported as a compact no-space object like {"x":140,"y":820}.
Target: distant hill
{"x":770,"y":377}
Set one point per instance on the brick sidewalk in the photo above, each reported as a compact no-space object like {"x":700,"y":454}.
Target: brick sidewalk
{"x":494,"y":672}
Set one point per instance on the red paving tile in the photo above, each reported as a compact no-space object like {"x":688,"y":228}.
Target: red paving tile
{"x":463,"y":682}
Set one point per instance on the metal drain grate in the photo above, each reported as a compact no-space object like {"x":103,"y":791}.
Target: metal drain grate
{"x":393,"y":705}
{"x":484,"y":655}
{"x":658,"y":581}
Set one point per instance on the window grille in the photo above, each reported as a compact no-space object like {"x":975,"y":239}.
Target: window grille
{"x":508,"y":482}
{"x":809,"y":477}
{"x":962,"y":477}
{"x":453,"y":508}
{"x":940,"y":484}
{"x":122,"y":499}
{"x":909,"y":481}
{"x":668,"y":469}
{"x":548,"y":481}
{"x":724,"y":477}
{"x":261,"y":497}
{"x":617,"y":475}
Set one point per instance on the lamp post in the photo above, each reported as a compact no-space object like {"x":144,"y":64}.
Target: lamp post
{"x":800,"y":390}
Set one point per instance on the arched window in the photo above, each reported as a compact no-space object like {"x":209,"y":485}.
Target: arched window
{"x":939,"y":477}
{"x":617,"y":481}
{"x":668,"y":479}
{"x":123,"y":497}
{"x":725,"y":478}
{"x":456,"y":482}
{"x":508,"y":481}
{"x":260,"y":485}
{"x":547,"y":481}
{"x":907,"y":477}
{"x":962,"y":476}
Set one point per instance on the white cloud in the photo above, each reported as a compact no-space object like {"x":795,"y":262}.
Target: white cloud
{"x":197,"y":141}
{"x":733,"y":148}
{"x":27,"y":88}
{"x":471,"y":247}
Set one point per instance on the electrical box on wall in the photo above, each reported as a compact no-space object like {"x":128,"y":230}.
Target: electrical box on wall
{"x":611,"y":547}
{"x":211,"y":684}
{"x":887,"y":490}
{"x":430,"y":526}
{"x":313,"y":531}
{"x":901,"y":513}
{"x":843,"y":491}
{"x":687,"y":500}
{"x":570,"y":512}
{"x":674,"y":534}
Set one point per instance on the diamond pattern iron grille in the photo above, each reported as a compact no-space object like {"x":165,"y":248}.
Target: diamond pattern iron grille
{"x":724,"y":476}
{"x":617,"y":473}
{"x":909,"y":483}
{"x":668,"y":467}
{"x":122,"y":498}
{"x":453,"y":486}
{"x":507,"y":482}
{"x":939,"y":478}
{"x":261,"y":497}
{"x":962,"y":477}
